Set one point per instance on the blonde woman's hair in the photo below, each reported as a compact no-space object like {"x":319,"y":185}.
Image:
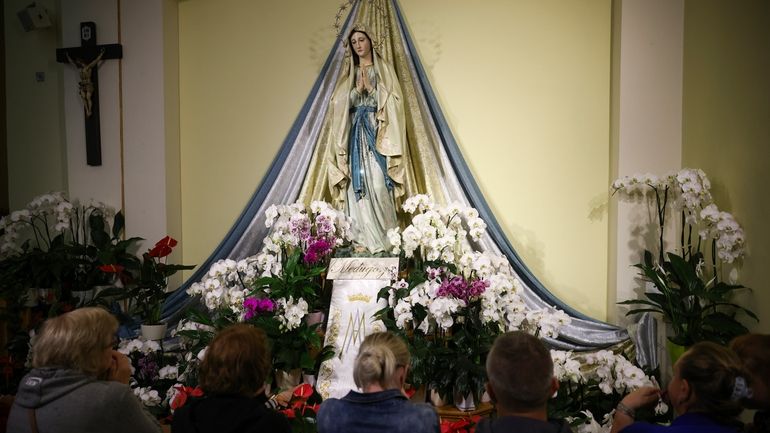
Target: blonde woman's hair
{"x":378,"y":358}
{"x":76,"y":340}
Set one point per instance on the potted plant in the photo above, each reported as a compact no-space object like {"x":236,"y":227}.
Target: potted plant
{"x":147,"y":284}
{"x":292,"y":262}
{"x":278,"y":288}
{"x":454,"y":301}
{"x":688,"y":285}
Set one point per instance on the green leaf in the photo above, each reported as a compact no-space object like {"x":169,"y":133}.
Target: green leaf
{"x":118,"y":223}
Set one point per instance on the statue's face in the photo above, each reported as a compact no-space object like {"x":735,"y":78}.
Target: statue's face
{"x":361,"y":44}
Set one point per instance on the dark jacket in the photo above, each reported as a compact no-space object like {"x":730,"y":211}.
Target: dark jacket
{"x":686,"y":423}
{"x":508,"y":424}
{"x":228,"y":414}
{"x":69,"y":401}
{"x":374,"y":412}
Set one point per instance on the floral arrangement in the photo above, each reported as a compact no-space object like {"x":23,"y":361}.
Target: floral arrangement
{"x":155,"y":377}
{"x":45,"y":218}
{"x":592,"y":384}
{"x":464,"y":425}
{"x":690,"y":289}
{"x":302,"y":408}
{"x":145,"y":281}
{"x":455,"y":300}
{"x":54,"y":243}
{"x":277,"y":288}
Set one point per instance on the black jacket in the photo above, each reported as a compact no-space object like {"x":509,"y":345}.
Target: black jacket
{"x":228,"y":414}
{"x":509,"y":424}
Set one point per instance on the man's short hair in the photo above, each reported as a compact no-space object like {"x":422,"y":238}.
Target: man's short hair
{"x":520,"y":371}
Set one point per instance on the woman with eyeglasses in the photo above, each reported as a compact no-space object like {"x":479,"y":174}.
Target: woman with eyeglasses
{"x":78,"y":382}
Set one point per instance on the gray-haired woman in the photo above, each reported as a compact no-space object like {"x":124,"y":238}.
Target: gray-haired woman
{"x":79,"y":383}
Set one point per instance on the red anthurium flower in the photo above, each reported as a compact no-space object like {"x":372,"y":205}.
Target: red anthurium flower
{"x":163,"y":247}
{"x":111,"y":269}
{"x":183,"y":393}
{"x":311,"y":409}
{"x":460,"y":426}
{"x":289,"y":413}
{"x":303,"y":391}
{"x":409,"y":392}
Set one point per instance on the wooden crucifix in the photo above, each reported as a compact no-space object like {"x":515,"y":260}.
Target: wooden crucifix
{"x":87,"y":58}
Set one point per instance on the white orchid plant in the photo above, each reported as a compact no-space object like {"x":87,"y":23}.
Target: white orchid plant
{"x":690,"y":291}
{"x":45,"y":218}
{"x":455,"y":299}
{"x":592,"y":384}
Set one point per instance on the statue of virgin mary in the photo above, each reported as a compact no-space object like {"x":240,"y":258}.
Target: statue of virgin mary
{"x":365,"y":172}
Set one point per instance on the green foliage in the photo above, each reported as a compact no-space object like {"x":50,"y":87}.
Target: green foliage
{"x":697,"y":310}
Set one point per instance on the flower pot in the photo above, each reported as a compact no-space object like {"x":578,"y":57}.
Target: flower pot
{"x":465,"y":401}
{"x":30,"y":300}
{"x":154,"y":332}
{"x":485,"y":398}
{"x":84,"y":296}
{"x":314,"y":317}
{"x":309,"y":379}
{"x":46,"y":295}
{"x":435,"y":398}
{"x":420,"y":395}
{"x":287,"y":379}
{"x":675,"y":351}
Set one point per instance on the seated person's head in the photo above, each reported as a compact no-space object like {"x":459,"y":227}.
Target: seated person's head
{"x":81,"y":339}
{"x":381,"y":363}
{"x":520,"y":373}
{"x":236,"y":362}
{"x":754,"y":352}
{"x":708,"y":378}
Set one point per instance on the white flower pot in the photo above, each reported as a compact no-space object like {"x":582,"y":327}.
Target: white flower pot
{"x":84,"y":296}
{"x":309,"y":379}
{"x":154,"y":332}
{"x":465,"y":402}
{"x":435,"y":398}
{"x":287,"y":379}
{"x":314,"y":317}
{"x":485,"y":398}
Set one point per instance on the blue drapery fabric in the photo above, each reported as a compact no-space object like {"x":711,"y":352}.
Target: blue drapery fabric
{"x":283,"y":181}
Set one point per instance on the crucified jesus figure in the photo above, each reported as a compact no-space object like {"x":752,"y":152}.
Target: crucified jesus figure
{"x":86,"y":85}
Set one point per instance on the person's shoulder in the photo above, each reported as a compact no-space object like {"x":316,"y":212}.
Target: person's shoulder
{"x":101,"y":393}
{"x":646,"y":427}
{"x":273,"y":421}
{"x":424,"y":414}
{"x":422,"y":408}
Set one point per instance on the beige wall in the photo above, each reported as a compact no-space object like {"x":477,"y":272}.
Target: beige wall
{"x":36,"y":151}
{"x":726,"y":121}
{"x":524,"y":85}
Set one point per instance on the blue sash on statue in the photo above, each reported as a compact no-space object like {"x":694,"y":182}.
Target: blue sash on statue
{"x":360,"y":121}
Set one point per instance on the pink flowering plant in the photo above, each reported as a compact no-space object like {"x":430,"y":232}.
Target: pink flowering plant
{"x":277,"y":288}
